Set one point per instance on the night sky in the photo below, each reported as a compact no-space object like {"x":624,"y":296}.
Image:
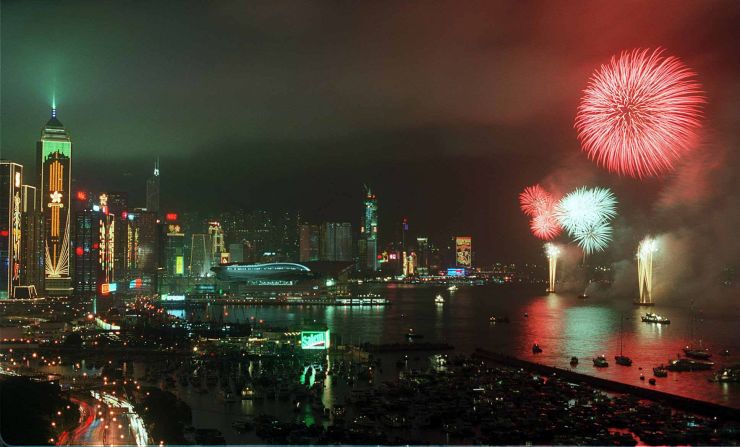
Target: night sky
{"x":448,"y":109}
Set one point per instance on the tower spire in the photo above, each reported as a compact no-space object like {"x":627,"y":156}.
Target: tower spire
{"x":156,"y":167}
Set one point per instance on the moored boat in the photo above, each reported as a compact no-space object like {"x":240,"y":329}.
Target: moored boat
{"x":600,"y":362}
{"x":651,"y":317}
{"x":686,"y":364}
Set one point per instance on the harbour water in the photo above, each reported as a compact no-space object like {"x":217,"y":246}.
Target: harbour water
{"x":563,"y":326}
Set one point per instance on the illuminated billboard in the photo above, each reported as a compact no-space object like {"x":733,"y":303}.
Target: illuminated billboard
{"x":455,"y":272}
{"x":179,"y":265}
{"x":463,"y":251}
{"x":315,"y":339}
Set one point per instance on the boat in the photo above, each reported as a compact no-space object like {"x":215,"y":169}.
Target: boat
{"x":536,"y":348}
{"x":411,"y":334}
{"x":573,"y":361}
{"x":582,"y":296}
{"x":725,"y":353}
{"x":622,"y":359}
{"x":697,"y":352}
{"x":727,"y":375}
{"x":439,"y":300}
{"x":660,"y":371}
{"x":651,"y":381}
{"x":686,"y":364}
{"x":495,"y":319}
{"x":642,"y":377}
{"x":651,"y":317}
{"x":452,"y":288}
{"x":600,"y":362}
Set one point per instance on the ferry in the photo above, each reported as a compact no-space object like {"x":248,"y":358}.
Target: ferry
{"x":689,"y":365}
{"x":654,"y":318}
{"x":439,"y":300}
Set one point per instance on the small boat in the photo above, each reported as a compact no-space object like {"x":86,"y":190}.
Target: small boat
{"x":582,"y":296}
{"x":536,"y":348}
{"x":439,"y":300}
{"x":600,"y":362}
{"x":526,"y":314}
{"x":573,"y":361}
{"x":660,"y":371}
{"x":452,"y":288}
{"x":697,"y":353}
{"x":642,"y":377}
{"x":623,"y":360}
{"x":651,"y":317}
{"x":495,"y":319}
{"x":412,"y":334}
{"x":652,"y":381}
{"x":727,"y":375}
{"x":686,"y":364}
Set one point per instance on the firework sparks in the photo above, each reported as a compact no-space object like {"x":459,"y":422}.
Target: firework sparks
{"x":586,"y":208}
{"x":545,"y":226}
{"x":552,"y":252}
{"x":534,"y":200}
{"x":594,"y":237}
{"x":648,"y":246}
{"x":640,"y":113}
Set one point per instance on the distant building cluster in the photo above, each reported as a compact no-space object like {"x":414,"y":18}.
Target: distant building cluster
{"x":56,"y":241}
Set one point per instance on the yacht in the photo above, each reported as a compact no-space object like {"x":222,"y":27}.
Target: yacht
{"x":651,"y":317}
{"x":696,"y":352}
{"x":685,"y":364}
{"x":600,"y":362}
{"x":622,"y":359}
{"x":439,"y":300}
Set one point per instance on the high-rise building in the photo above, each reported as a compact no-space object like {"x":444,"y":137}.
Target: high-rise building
{"x":152,"y":190}
{"x":86,"y":245}
{"x":174,"y":255}
{"x":310,"y":238}
{"x":54,"y":164}
{"x":11,"y":181}
{"x":145,"y":226}
{"x":463,"y":251}
{"x":31,"y":241}
{"x":423,"y":255}
{"x":336,"y":241}
{"x":200,"y":255}
{"x":216,"y":236}
{"x":368,"y":243}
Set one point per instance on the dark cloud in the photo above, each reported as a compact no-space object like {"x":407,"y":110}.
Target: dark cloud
{"x":449,"y":108}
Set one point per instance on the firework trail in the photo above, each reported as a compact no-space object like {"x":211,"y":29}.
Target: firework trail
{"x":552,"y":251}
{"x":640,"y":113}
{"x":648,"y":246}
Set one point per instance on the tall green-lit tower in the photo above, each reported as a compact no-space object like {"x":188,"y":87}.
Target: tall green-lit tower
{"x":54,"y":165}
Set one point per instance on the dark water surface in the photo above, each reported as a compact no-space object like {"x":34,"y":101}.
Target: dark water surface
{"x":563,"y":325}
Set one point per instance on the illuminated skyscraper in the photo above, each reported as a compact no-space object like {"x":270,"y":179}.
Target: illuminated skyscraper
{"x":54,"y":164}
{"x":152,"y":190}
{"x":31,"y":243}
{"x":368,"y":243}
{"x":11,"y":180}
{"x":200,"y":255}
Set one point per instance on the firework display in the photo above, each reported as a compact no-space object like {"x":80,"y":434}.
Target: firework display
{"x":648,"y":246}
{"x":640,"y":113}
{"x":545,"y":226}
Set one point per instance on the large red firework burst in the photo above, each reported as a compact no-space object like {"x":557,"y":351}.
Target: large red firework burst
{"x":534,"y":200}
{"x":640,"y":113}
